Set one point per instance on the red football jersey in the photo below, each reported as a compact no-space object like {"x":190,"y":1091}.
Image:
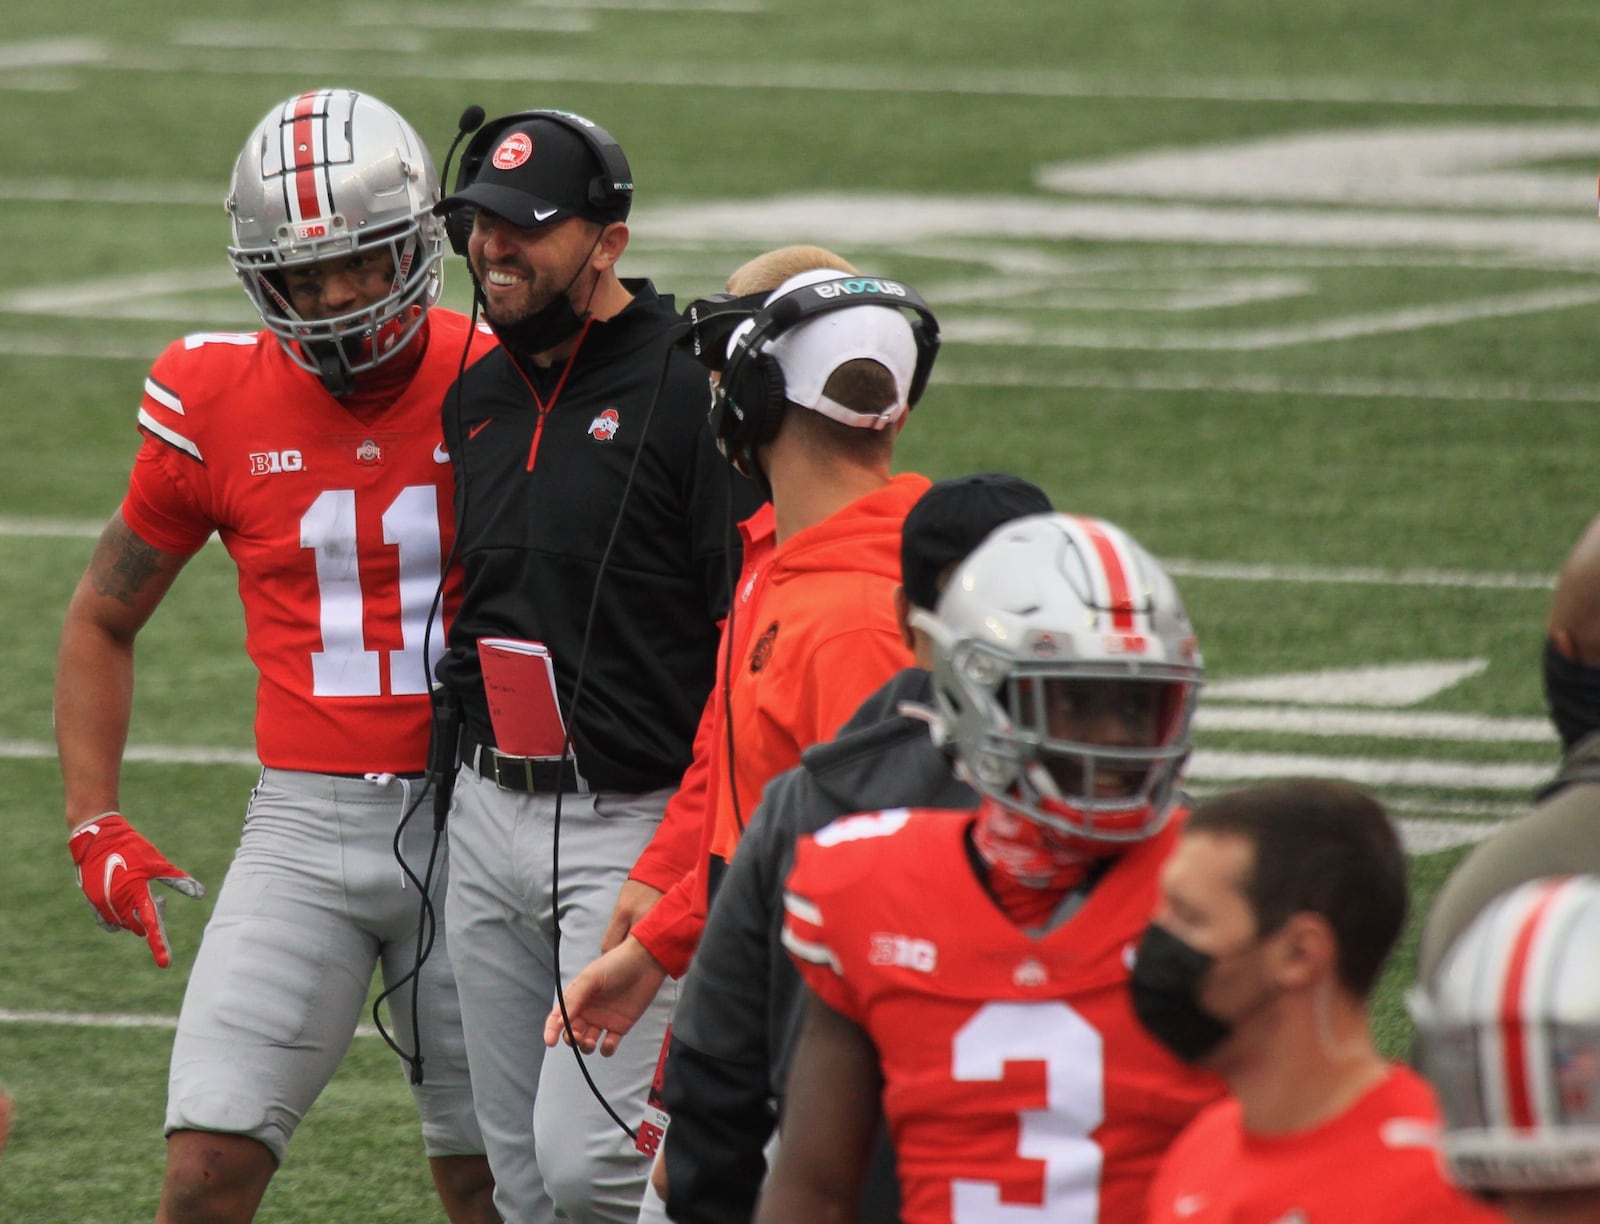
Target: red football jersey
{"x":1018,"y":1085}
{"x":1376,"y":1163}
{"x":338,"y":529}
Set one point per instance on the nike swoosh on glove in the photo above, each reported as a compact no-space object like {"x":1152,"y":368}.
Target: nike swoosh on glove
{"x":115,"y":868}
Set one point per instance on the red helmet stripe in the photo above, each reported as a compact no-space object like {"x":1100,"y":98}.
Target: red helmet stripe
{"x":1118,"y":592}
{"x":305,"y":157}
{"x":1519,"y":1093}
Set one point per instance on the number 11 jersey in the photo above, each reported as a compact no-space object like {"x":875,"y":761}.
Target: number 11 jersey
{"x":338,"y":522}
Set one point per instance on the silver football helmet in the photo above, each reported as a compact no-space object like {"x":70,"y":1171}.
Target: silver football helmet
{"x":1509,"y":1034}
{"x":325,"y":174}
{"x":1065,"y":675}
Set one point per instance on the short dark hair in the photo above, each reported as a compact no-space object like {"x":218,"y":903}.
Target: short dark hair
{"x":1320,"y":847}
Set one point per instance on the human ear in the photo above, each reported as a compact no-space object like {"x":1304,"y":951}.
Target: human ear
{"x":1305,"y":951}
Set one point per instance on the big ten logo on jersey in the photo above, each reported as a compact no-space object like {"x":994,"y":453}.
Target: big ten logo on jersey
{"x":903,"y":951}
{"x":263,"y":463}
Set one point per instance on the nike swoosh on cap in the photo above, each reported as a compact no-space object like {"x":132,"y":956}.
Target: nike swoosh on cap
{"x":544,"y":214}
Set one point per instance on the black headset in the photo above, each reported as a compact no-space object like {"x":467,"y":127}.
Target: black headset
{"x":749,"y":401}
{"x":610,"y":191}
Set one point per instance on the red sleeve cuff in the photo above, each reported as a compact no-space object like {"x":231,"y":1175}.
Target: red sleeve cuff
{"x":670,"y":932}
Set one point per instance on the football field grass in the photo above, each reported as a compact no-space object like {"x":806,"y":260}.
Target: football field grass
{"x":1304,"y":295}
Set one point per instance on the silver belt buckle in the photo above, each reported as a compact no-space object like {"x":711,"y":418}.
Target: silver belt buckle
{"x":501,"y":770}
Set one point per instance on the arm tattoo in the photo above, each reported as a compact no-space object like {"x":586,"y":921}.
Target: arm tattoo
{"x":123,"y":564}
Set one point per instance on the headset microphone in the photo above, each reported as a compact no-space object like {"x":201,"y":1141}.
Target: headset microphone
{"x":471,"y":120}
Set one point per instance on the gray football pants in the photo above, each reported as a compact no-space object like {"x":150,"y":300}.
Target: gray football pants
{"x":547,"y":1136}
{"x":313,"y":901}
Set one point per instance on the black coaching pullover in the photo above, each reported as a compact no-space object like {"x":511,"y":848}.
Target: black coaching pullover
{"x":537,"y":494}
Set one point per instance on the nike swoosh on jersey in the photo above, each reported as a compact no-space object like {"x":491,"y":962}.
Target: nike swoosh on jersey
{"x":440,"y":455}
{"x":479,"y":428}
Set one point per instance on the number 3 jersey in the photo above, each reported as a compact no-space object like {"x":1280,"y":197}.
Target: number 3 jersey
{"x":1018,"y":1085}
{"x":338,"y":524}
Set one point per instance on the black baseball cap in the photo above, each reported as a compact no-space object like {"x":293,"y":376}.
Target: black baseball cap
{"x":952,"y":518}
{"x":539,"y":171}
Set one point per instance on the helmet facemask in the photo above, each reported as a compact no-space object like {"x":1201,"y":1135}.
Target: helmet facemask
{"x":326,"y":175}
{"x":1103,"y":753}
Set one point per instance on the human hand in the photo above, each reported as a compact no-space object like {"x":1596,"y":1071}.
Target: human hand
{"x":607,"y":998}
{"x":634,"y":901}
{"x":115,"y":868}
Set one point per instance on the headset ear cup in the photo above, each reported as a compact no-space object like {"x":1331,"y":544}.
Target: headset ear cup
{"x":927,"y":339}
{"x":774,"y":397}
{"x":458,"y":227}
{"x":758,"y":397}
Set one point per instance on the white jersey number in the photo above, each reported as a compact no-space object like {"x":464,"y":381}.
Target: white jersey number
{"x":1058,"y":1134}
{"x":344,"y":667}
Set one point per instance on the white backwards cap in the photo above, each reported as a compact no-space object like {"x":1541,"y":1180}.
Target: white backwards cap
{"x":809,"y":353}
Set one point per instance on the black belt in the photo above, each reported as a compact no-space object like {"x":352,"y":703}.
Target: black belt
{"x":525,"y":775}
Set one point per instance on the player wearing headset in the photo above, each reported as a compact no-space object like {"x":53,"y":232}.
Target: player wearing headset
{"x":816,"y":388}
{"x":593,"y":511}
{"x":813,"y":628}
{"x":313,"y":450}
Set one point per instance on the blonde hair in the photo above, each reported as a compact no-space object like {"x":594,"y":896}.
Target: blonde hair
{"x":862,"y":384}
{"x":766,"y":272}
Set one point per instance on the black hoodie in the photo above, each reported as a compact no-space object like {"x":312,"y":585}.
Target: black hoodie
{"x":740,"y":1005}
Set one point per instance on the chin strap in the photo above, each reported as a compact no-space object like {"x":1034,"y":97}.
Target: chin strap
{"x":335,"y":374}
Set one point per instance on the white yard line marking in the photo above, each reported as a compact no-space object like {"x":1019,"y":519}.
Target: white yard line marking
{"x":25,"y":527}
{"x":258,"y":36}
{"x":905,"y":222}
{"x":1408,"y":725}
{"x":1467,"y":580}
{"x":1432,"y":836}
{"x":51,"y":529}
{"x":878,"y":78}
{"x":1213,"y":765}
{"x":1020,"y":333}
{"x":1389,"y":685}
{"x":79,"y":297}
{"x":113,"y":1020}
{"x":157,"y":754}
{"x":1186,"y":382}
{"x":114,"y":191}
{"x":51,"y":53}
{"x":1489,"y":165}
{"x":26,"y":345}
{"x":1207,"y":765}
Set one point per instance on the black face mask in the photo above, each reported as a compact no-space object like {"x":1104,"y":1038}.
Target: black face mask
{"x":1167,"y":975}
{"x":548,"y":326}
{"x":1571,"y":694}
{"x":542,"y":330}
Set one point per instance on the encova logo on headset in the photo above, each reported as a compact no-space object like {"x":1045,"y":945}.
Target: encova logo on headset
{"x":845,"y":288}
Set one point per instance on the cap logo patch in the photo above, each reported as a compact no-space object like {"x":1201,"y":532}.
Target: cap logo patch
{"x":513,"y":151}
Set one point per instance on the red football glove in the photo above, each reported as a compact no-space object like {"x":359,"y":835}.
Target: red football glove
{"x":115,"y":867}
